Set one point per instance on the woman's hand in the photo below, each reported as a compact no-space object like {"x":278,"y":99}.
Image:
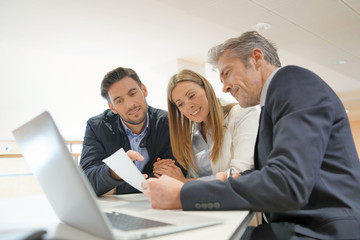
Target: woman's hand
{"x":223,"y":175}
{"x":168,"y":167}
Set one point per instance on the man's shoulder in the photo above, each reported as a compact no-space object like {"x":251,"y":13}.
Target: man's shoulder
{"x":292,"y":68}
{"x":293,"y":72}
{"x":290,"y":79}
{"x":158,"y":119}
{"x":155,"y":114}
{"x":295,"y":88}
{"x":105,"y":117}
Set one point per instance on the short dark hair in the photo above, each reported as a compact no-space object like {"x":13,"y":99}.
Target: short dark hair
{"x":114,"y":76}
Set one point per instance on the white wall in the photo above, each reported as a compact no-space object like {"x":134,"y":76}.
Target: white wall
{"x":67,"y":85}
{"x":54,"y":54}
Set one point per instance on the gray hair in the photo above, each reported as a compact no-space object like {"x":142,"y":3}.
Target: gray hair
{"x":242,"y":47}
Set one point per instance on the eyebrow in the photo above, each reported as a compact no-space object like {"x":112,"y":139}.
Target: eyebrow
{"x":223,"y":70}
{"x":185,"y":94}
{"x":131,"y":90}
{"x":116,"y":98}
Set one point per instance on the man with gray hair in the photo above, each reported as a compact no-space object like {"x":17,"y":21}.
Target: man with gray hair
{"x":307,"y":172}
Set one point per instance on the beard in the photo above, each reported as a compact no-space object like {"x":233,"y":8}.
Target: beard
{"x":136,"y":122}
{"x":139,"y":120}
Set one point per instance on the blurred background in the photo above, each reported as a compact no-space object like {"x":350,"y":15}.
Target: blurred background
{"x":54,"y":54}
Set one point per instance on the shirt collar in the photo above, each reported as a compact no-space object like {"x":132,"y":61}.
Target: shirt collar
{"x":198,"y":135}
{"x":130,"y":133}
{"x":265,"y":88}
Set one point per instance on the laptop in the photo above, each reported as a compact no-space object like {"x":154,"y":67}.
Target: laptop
{"x":73,"y":199}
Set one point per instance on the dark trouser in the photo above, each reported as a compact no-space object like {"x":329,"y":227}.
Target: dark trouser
{"x":274,"y":231}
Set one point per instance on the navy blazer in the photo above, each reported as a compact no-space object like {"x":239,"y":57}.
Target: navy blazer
{"x":308,"y":170}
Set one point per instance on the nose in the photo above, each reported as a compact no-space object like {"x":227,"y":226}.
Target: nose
{"x":226,"y":87}
{"x":189,"y":104}
{"x":129,"y":104}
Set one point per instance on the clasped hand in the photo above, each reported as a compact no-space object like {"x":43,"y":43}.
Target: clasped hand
{"x":168,"y":167}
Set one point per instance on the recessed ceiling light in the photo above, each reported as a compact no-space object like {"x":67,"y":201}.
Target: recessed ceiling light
{"x":339,"y":62}
{"x":261,"y":26}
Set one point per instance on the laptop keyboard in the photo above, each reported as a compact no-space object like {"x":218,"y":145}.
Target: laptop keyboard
{"x":126,"y":222}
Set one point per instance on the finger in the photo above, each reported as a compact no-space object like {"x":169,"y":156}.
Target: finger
{"x":165,"y":160}
{"x":162,"y":169}
{"x":145,"y":186}
{"x":145,"y":175}
{"x":156,"y":164}
{"x":134,"y":155}
{"x":160,"y":165}
{"x":162,"y":162}
{"x":235,"y":175}
{"x":160,"y":173}
{"x":163,"y":166}
{"x":157,"y":175}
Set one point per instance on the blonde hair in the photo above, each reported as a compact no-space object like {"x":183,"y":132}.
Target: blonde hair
{"x":182,"y":129}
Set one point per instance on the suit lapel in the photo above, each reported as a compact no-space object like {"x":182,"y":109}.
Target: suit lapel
{"x":256,"y":155}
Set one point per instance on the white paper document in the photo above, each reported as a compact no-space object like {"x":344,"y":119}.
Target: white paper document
{"x":122,"y":165}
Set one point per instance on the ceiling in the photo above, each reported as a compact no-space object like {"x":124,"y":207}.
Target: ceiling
{"x":315,"y":34}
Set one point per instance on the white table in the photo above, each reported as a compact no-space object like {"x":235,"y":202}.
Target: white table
{"x":35,"y":213}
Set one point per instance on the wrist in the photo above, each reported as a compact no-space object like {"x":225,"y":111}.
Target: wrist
{"x":114,"y":175}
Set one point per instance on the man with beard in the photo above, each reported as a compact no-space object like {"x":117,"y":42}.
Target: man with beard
{"x":131,"y":124}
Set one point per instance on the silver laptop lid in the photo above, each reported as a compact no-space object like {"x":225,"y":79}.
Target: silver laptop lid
{"x":65,"y":186}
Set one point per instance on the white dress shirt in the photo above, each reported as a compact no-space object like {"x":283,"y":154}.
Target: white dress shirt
{"x":237,"y":151}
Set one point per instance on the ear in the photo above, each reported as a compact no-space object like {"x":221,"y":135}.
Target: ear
{"x":257,"y":56}
{"x":112,"y":108}
{"x":143,"y":88}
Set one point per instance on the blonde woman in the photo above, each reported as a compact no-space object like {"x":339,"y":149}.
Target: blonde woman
{"x":207,"y":134}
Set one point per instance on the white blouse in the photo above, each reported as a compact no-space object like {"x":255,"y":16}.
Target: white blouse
{"x":237,"y":150}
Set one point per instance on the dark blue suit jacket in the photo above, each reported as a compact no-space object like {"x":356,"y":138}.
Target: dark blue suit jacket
{"x":308,"y":171}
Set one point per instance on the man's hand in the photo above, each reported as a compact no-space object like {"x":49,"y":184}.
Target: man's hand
{"x":133,"y":156}
{"x":164,"y":192}
{"x":168,"y":167}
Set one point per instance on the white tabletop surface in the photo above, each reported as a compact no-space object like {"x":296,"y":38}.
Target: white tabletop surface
{"x":35,"y":213}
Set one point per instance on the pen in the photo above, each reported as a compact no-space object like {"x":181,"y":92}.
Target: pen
{"x":229,"y":173}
